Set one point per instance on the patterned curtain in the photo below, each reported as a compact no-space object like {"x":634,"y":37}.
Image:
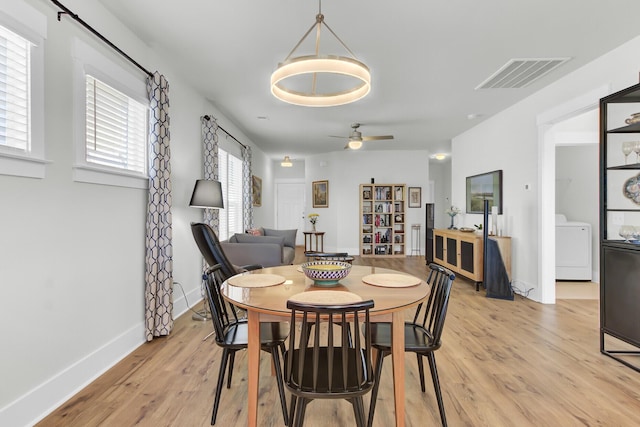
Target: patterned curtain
{"x":159,"y":248}
{"x":210,"y":154}
{"x":247,"y":193}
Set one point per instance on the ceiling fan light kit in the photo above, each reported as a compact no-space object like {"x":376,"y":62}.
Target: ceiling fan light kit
{"x":320,"y":65}
{"x":355,"y":144}
{"x":355,"y":138}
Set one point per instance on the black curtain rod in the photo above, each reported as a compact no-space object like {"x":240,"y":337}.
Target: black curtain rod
{"x":66,"y":11}
{"x":233,"y":137}
{"x":208,"y":117}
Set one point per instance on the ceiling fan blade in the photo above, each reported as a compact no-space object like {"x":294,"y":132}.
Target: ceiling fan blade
{"x":336,"y":136}
{"x":376,"y":138}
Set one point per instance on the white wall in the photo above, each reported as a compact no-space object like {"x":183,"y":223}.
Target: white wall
{"x":72,"y":254}
{"x":440,"y":174}
{"x":510,"y":141}
{"x":345,"y":170}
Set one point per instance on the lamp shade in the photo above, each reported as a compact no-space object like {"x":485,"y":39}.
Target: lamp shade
{"x":207,"y":194}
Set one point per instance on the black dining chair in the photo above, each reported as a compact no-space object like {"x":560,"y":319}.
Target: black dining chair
{"x":211,"y":250}
{"x":422,"y":336}
{"x":332,"y":256}
{"x":328,"y":368}
{"x":232,"y":335}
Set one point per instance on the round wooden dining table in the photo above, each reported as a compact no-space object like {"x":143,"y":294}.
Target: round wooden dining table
{"x":263,"y":298}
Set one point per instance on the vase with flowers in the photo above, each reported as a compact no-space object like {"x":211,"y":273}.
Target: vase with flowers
{"x":313,"y":218}
{"x":452,"y":212}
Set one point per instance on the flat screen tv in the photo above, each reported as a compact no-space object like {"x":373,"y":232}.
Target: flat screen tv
{"x":485,"y":186}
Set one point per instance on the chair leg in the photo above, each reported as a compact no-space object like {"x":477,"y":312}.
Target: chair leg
{"x":436,"y":386}
{"x":232,"y":358}
{"x":275,"y":353}
{"x":216,"y":400}
{"x":302,"y":406}
{"x":358,"y":410}
{"x":421,"y":371}
{"x":292,"y":409}
{"x":376,"y":383}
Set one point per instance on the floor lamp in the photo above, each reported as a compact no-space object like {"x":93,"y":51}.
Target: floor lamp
{"x":206,"y":194}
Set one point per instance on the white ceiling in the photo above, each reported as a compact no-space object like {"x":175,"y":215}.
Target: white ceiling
{"x":426,"y":58}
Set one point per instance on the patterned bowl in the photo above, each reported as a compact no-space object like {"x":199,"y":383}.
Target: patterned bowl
{"x":326,"y":273}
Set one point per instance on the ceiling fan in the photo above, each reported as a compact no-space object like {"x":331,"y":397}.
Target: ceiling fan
{"x":356,"y":139}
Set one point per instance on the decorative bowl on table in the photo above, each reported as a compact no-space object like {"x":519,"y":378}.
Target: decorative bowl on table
{"x":326,"y":273}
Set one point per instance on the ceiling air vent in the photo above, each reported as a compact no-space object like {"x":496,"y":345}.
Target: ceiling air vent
{"x":521,"y":72}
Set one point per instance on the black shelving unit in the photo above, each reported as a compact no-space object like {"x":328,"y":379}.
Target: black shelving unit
{"x":430,"y":223}
{"x":619,"y":257}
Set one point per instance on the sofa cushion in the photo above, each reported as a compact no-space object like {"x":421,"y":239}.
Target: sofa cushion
{"x":289,"y":235}
{"x":248,"y":238}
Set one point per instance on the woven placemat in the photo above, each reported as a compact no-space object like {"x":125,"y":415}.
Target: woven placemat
{"x":256,"y":280}
{"x":326,"y":297}
{"x":390,"y":280}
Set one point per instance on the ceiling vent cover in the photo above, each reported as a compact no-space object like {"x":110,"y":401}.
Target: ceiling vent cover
{"x":521,"y":72}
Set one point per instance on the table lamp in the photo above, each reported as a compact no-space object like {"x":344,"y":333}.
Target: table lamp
{"x":206,"y":194}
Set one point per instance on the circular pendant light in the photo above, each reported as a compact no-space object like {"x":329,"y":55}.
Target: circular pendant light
{"x":317,"y":67}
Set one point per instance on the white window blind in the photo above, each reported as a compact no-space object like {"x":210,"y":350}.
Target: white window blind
{"x":230,"y":175}
{"x":116,"y":128}
{"x":15,"y":91}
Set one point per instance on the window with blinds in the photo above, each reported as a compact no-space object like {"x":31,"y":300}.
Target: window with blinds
{"x":230,"y":175}
{"x":15,"y":91}
{"x":117,"y":128}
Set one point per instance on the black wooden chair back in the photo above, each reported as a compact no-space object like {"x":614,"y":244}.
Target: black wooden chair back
{"x":326,"y":367}
{"x":432,"y":313}
{"x":223,"y":315}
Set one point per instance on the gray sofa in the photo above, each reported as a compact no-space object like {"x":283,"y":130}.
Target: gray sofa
{"x":274,"y":247}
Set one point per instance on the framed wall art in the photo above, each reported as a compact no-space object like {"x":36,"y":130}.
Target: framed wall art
{"x":256,"y":190}
{"x":415,"y":197}
{"x":484,"y":186}
{"x":320,"y":194}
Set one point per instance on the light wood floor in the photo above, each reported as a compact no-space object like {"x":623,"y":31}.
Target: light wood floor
{"x":502,"y":363}
{"x":577,"y":290}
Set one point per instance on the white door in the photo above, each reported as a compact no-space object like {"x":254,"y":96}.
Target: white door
{"x":290,"y":202}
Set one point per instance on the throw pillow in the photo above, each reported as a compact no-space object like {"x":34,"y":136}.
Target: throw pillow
{"x":255,"y":231}
{"x":289,"y":236}
{"x":248,"y":238}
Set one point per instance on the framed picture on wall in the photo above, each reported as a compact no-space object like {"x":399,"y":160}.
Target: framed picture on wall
{"x":415,"y":197}
{"x":256,"y":190}
{"x":320,"y":192}
{"x":484,"y":186}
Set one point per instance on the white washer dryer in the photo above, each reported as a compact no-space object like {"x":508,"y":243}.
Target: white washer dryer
{"x":573,"y":249}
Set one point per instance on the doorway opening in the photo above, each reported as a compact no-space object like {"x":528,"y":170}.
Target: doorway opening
{"x":589,"y":102}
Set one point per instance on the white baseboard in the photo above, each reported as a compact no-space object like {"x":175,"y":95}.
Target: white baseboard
{"x":37,"y":403}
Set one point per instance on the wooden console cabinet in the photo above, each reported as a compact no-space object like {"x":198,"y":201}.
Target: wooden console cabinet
{"x":462,"y":252}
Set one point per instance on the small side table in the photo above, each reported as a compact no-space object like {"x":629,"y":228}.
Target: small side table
{"x":308,"y":241}
{"x":415,"y":239}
